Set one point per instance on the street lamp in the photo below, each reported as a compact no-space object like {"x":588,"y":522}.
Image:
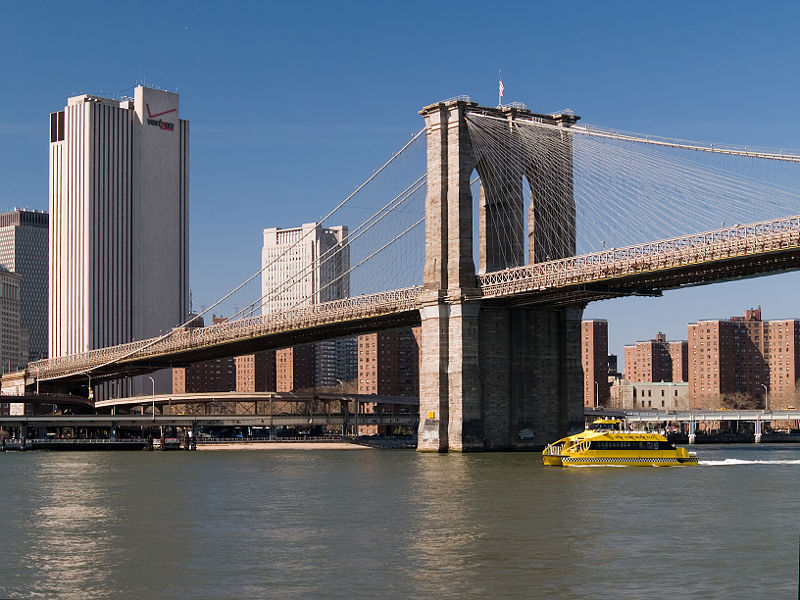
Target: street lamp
{"x":596,"y":395}
{"x":766,"y":396}
{"x":154,"y":396}
{"x":344,"y":407}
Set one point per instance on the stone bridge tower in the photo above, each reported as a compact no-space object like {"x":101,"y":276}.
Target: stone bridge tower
{"x":493,"y":376}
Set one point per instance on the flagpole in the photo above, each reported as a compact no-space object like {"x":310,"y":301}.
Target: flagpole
{"x":500,"y":88}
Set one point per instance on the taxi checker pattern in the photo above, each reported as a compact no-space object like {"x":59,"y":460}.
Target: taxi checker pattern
{"x":613,"y":460}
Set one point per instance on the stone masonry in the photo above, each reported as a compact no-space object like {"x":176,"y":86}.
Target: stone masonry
{"x":492,"y":377}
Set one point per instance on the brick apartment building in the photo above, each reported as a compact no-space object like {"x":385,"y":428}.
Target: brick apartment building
{"x":208,"y":376}
{"x":594,"y":359}
{"x":256,"y":372}
{"x":388,"y":364}
{"x":657,"y":360}
{"x":744,"y":355}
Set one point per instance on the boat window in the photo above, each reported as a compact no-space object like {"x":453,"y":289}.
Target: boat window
{"x":630,"y":445}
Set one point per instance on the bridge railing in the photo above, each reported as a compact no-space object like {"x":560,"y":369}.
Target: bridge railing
{"x":719,"y":244}
{"x":395,"y":301}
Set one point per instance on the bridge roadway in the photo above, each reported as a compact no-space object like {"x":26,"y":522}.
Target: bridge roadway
{"x":248,"y":397}
{"x":644,"y":269}
{"x":194,"y":421}
{"x":631,"y":416}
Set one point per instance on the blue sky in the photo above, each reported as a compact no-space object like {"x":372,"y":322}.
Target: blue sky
{"x":292,"y":105}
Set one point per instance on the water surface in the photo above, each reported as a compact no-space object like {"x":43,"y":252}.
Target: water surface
{"x":396,"y":524}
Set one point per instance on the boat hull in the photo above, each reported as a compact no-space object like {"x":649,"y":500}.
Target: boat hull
{"x":552,"y":461}
{"x":638,"y":461}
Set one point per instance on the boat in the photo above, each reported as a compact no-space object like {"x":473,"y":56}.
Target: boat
{"x":607,"y":443}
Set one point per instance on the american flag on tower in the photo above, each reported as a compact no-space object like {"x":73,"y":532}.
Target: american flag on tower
{"x":500,"y":98}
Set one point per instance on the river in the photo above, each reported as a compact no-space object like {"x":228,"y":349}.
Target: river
{"x":396,"y":524}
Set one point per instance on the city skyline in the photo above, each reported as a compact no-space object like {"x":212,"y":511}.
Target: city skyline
{"x":253,"y":144}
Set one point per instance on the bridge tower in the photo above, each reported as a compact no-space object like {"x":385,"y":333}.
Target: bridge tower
{"x":493,"y":376}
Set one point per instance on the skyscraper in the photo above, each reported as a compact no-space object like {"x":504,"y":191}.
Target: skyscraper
{"x":119,"y":265}
{"x":303,"y":266}
{"x":11,"y":348}
{"x":23,"y":250}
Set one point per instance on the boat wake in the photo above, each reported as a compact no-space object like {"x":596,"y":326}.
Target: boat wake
{"x":732,"y":462}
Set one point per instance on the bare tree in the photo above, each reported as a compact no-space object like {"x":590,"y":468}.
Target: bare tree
{"x":740,"y":401}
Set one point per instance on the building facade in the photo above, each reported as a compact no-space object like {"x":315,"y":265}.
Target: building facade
{"x":295,"y":368}
{"x":24,"y":251}
{"x":388,"y":362}
{"x":388,"y":365}
{"x":657,"y":360}
{"x":302,"y":266}
{"x":256,"y":372}
{"x":119,"y":236}
{"x":665,"y":395}
{"x":217,"y":375}
{"x":13,"y":352}
{"x":594,"y":359}
{"x":744,"y":358}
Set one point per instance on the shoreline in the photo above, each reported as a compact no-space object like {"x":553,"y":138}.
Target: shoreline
{"x":205,"y":447}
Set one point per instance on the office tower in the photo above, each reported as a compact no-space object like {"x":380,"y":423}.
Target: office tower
{"x":11,"y":348}
{"x":23,"y":250}
{"x":594,"y":358}
{"x":303,"y":266}
{"x":119,"y":220}
{"x":657,"y":360}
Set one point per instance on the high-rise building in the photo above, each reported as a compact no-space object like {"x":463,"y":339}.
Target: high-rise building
{"x":657,"y":360}
{"x":295,"y":368}
{"x":12,"y":350}
{"x":744,"y":355}
{"x":256,"y":372}
{"x":594,"y":356}
{"x":23,"y":250}
{"x":119,"y":237}
{"x":303,"y":266}
{"x":218,"y":375}
{"x":388,"y":363}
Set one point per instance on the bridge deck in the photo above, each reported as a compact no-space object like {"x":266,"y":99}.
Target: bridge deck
{"x":712,"y":256}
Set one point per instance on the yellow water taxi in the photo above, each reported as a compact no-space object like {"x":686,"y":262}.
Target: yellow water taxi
{"x":605,"y":443}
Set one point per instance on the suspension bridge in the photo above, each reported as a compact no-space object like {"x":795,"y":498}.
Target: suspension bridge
{"x":563,"y":214}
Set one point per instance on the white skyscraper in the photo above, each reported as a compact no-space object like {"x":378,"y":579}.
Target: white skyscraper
{"x":308,"y":265}
{"x":119,"y":236}
{"x":303,"y":265}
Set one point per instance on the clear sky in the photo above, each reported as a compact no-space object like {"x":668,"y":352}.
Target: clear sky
{"x":293,"y":104}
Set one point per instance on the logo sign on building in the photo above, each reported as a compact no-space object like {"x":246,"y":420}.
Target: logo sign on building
{"x":160,"y":123}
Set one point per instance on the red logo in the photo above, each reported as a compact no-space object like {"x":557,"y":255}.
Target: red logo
{"x":160,"y":123}
{"x":153,"y":116}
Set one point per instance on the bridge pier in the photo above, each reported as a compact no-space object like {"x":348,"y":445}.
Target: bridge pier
{"x":492,"y":377}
